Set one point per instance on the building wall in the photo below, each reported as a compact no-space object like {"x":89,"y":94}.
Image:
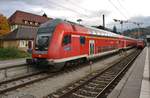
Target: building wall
{"x":20,"y":44}
{"x":13,"y":43}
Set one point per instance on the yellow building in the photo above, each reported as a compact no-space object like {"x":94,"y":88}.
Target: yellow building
{"x":21,"y":38}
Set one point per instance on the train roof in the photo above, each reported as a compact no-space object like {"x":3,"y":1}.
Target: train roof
{"x":101,"y":32}
{"x":96,"y":31}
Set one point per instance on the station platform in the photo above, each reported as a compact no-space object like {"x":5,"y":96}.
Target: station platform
{"x":136,"y":82}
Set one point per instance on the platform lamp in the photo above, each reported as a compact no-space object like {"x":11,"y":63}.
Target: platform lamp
{"x":79,"y":20}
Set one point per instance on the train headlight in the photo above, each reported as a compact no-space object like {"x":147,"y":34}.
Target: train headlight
{"x":39,"y":55}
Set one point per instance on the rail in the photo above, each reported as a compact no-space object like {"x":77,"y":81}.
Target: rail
{"x":5,"y":69}
{"x":99,"y":83}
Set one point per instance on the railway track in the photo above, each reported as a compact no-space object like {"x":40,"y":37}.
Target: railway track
{"x":5,"y":70}
{"x":29,"y":78}
{"x":99,"y":83}
{"x":21,"y":81}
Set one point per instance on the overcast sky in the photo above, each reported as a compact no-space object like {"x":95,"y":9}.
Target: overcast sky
{"x":90,"y":11}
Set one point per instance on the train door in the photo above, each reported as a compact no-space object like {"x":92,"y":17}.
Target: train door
{"x":91,"y":47}
{"x":82,"y":45}
{"x":30,"y":44}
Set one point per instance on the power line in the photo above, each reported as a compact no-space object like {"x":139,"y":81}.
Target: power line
{"x":72,"y":10}
{"x":123,"y":7}
{"x":117,"y":9}
{"x":74,"y":4}
{"x":126,"y":21}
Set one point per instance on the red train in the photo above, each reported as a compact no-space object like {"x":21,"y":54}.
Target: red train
{"x":59,"y":42}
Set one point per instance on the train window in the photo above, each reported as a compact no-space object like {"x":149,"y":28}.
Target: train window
{"x":66,"y":39}
{"x":82,"y":40}
{"x":42,"y":41}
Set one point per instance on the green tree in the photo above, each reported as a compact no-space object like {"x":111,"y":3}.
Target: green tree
{"x":114,"y":29}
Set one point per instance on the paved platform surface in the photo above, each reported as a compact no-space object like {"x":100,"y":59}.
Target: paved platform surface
{"x":136,"y":82}
{"x":12,"y":62}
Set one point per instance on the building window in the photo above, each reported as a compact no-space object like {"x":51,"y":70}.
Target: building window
{"x":13,"y":27}
{"x":23,"y":43}
{"x":31,"y":22}
{"x":36,"y":23}
{"x":16,"y":26}
{"x":25,"y":22}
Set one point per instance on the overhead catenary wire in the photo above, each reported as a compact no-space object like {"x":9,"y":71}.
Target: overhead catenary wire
{"x":87,"y":10}
{"x":72,"y":10}
{"x":87,"y":16}
{"x":121,"y":13}
{"x":79,"y":12}
{"x":123,"y":7}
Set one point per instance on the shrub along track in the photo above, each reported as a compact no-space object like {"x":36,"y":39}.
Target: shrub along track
{"x":99,"y":83}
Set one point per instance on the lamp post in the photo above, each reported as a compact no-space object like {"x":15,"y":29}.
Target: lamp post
{"x":79,"y":20}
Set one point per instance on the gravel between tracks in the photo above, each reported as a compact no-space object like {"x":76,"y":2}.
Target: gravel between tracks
{"x":50,"y":85}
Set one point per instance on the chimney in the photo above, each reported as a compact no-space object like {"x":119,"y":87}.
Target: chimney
{"x":103,"y":21}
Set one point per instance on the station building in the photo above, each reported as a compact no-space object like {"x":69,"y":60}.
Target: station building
{"x":23,"y":26}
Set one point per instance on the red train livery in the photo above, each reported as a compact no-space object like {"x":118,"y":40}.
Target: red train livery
{"x":59,"y":41}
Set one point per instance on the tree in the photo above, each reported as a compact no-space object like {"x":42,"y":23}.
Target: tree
{"x":4,"y":26}
{"x":114,"y":29}
{"x":44,"y":15}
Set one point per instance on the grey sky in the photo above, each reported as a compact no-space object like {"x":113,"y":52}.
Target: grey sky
{"x":90,"y":11}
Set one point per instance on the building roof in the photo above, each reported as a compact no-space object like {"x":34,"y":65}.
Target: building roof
{"x":21,"y":33}
{"x":20,"y":17}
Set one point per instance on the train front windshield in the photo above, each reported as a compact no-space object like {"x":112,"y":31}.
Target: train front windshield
{"x":44,"y":34}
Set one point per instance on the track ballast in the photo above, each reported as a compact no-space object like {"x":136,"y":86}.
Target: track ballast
{"x":99,"y":83}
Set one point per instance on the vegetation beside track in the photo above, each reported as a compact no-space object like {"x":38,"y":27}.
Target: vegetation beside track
{"x":12,"y":53}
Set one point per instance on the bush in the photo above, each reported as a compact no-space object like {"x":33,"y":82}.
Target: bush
{"x":10,"y":53}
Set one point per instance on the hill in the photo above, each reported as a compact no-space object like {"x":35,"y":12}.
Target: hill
{"x":138,"y":32}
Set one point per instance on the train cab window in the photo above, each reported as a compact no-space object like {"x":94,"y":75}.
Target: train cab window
{"x":82,"y":40}
{"x":67,"y":39}
{"x":44,"y":34}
